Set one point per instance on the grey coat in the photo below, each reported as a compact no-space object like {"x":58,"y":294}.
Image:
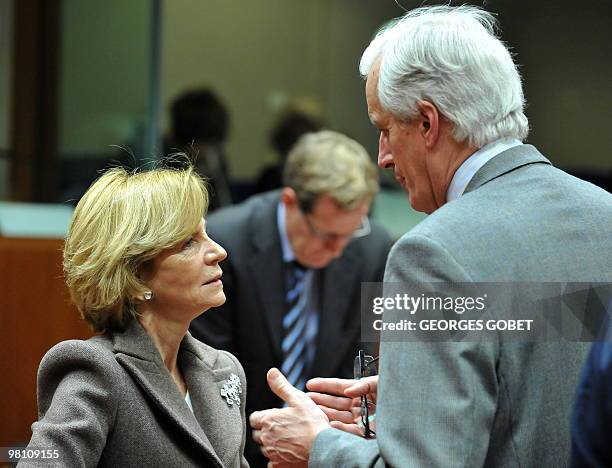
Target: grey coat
{"x":494,"y":403}
{"x":110,"y":401}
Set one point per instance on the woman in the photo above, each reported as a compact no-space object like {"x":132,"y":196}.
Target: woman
{"x":140,"y":267}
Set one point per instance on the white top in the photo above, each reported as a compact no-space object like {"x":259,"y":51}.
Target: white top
{"x":188,"y":401}
{"x":471,"y":165}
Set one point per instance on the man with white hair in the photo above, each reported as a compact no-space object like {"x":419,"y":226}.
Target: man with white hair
{"x":447,"y":98}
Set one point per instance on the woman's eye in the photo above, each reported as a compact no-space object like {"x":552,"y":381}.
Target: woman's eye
{"x":189,"y":243}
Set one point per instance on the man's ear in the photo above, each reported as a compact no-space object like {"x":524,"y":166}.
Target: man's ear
{"x":429,"y":123}
{"x":289,"y":197}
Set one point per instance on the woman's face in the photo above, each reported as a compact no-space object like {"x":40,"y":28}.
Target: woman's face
{"x":186,"y":280}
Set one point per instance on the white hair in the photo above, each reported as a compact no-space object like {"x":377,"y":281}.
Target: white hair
{"x":451,"y":57}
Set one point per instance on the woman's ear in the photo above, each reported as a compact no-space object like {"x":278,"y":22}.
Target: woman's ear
{"x":143,"y":274}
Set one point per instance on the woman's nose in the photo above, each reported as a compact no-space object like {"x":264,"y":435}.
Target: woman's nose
{"x":216,"y":253}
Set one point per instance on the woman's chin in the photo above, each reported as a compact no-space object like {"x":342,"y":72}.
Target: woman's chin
{"x":218,"y":300}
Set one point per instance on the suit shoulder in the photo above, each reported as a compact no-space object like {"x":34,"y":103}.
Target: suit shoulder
{"x":93,"y":355}
{"x":228,"y":222}
{"x":380,"y":233}
{"x":445,"y":220}
{"x":80,"y":368}
{"x":228,"y":359}
{"x":376,"y":242}
{"x":584,"y":189}
{"x":97,"y":347}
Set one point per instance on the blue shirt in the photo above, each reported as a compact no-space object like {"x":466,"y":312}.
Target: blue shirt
{"x":311,"y":291}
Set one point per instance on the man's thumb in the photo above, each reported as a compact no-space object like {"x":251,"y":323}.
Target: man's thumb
{"x":282,"y":388}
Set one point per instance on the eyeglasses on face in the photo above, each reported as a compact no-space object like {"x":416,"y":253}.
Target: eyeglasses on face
{"x":328,"y":237}
{"x":365,"y":366}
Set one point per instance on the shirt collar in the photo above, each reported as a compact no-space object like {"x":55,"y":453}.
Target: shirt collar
{"x":471,"y":165}
{"x":288,"y":254}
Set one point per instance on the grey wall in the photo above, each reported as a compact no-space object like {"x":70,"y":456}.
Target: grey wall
{"x":260,"y":56}
{"x":104,"y":75}
{"x":564,"y":50}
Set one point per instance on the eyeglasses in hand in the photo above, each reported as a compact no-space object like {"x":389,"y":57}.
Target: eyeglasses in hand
{"x":365,"y":366}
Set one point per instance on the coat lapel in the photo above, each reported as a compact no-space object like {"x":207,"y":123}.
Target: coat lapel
{"x":505,"y":162}
{"x":204,"y":382}
{"x":137,"y":354}
{"x":338,"y":282}
{"x":266,"y":270}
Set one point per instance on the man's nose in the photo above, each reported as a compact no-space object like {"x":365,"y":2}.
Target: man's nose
{"x":385,"y":159}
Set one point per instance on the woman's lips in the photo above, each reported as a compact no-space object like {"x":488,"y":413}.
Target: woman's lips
{"x":216,"y":279}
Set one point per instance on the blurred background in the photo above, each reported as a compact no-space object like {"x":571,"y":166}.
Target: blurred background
{"x":85,"y":84}
{"x":79,"y":79}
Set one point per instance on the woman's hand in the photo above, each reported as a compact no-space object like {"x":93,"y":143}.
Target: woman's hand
{"x":340,"y":399}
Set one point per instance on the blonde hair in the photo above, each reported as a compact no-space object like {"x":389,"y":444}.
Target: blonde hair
{"x":330,"y":163}
{"x":123,"y":220}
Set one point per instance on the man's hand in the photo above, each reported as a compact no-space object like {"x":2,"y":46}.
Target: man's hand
{"x":286,"y":435}
{"x":340,"y":399}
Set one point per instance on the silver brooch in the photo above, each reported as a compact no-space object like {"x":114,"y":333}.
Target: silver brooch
{"x":231,"y":390}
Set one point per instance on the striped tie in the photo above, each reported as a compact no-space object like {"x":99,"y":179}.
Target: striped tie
{"x":294,"y":327}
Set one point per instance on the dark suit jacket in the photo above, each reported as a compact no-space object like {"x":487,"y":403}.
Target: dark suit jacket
{"x":592,"y":418}
{"x":110,"y":401}
{"x":249,"y":324}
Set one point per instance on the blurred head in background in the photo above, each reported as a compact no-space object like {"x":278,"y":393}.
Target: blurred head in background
{"x":329,"y":183}
{"x":200,"y":127}
{"x":283,"y":137}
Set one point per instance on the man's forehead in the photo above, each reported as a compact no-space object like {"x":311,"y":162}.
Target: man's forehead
{"x":371,"y":90}
{"x":375,"y":113}
{"x":374,"y":116}
{"x":326,"y":204}
{"x":372,"y":78}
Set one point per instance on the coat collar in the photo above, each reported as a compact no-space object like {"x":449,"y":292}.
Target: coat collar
{"x":505,"y":162}
{"x":136,"y":352}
